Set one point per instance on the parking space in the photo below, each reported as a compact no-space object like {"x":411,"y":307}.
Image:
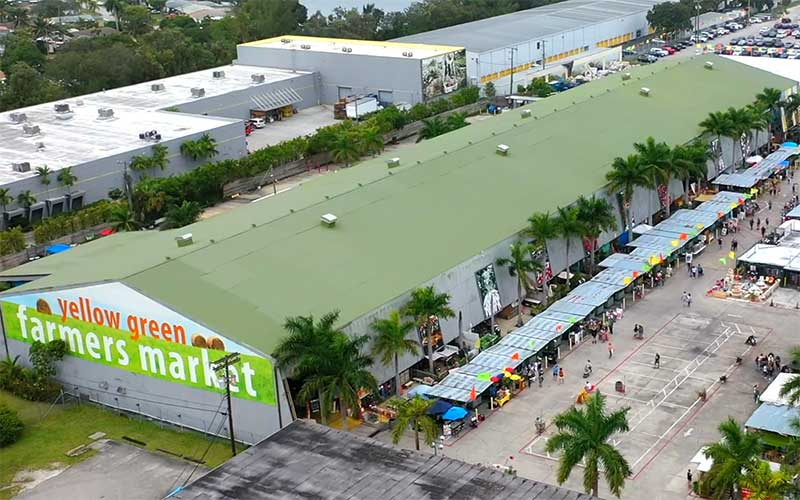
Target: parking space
{"x":694,"y":352}
{"x":305,"y":122}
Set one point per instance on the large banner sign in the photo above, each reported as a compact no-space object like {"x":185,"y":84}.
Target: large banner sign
{"x":444,"y":74}
{"x":117,"y":326}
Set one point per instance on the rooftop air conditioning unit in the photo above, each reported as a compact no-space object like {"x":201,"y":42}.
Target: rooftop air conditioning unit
{"x":184,"y":240}
{"x":329,"y":220}
{"x":405,"y":54}
{"x":709,"y":65}
{"x":18,"y":117}
{"x":393,"y":162}
{"x":286,"y":40}
{"x":503,"y":149}
{"x":645,"y":91}
{"x":526,"y":113}
{"x":258,"y":78}
{"x":31,"y":130}
{"x":198,"y":92}
{"x":305,"y":46}
{"x":626,"y":76}
{"x":218,"y":74}
{"x":157,"y":87}
{"x":21,"y":167}
{"x":40,"y":146}
{"x":410,"y":54}
{"x":63,"y":112}
{"x":105,"y":113}
{"x":347,"y":50}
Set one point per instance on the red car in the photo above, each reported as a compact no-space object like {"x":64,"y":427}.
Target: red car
{"x":669,"y":49}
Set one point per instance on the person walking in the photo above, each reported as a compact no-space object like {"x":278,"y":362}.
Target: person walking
{"x":657,"y":361}
{"x":610,"y":350}
{"x":763,"y":231}
{"x":541,"y":378}
{"x":556,"y":368}
{"x":751,"y":224}
{"x":758,"y":223}
{"x":766,"y":222}
{"x":684,"y":297}
{"x":756,"y":394}
{"x":561,"y":375}
{"x":719,"y":241}
{"x":689,"y":477}
{"x":689,"y":299}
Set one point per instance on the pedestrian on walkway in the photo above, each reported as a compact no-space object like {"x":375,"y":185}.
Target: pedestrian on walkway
{"x":735,"y":244}
{"x":751,"y":224}
{"x":561,"y":375}
{"x":758,"y":223}
{"x":756,"y":394}
{"x":689,"y":477}
{"x":763,"y":231}
{"x":610,"y":350}
{"x":657,"y":361}
{"x":689,"y":263}
{"x":684,"y":298}
{"x":689,"y":299}
{"x":719,"y":240}
{"x":766,"y":221}
{"x":769,"y":204}
{"x":556,"y":368}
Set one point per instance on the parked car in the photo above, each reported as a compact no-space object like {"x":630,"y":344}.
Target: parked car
{"x":763,"y":31}
{"x":647,"y":58}
{"x":258,"y":122}
{"x":655,"y":51}
{"x":670,"y":50}
{"x":657,"y":41}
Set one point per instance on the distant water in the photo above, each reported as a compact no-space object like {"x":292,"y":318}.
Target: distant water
{"x":327,"y":6}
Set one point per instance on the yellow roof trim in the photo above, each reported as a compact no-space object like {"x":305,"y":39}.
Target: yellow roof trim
{"x":370,"y":43}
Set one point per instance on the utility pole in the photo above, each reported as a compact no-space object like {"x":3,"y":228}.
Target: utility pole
{"x":219,"y":365}
{"x":511,"y":83}
{"x":543,"y":55}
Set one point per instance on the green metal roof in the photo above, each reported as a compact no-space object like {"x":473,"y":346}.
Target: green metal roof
{"x":452,"y":198}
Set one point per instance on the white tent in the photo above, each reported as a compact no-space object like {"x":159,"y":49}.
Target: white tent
{"x":772,"y":393}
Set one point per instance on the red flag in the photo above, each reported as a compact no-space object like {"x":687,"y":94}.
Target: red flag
{"x":515,"y":356}
{"x":473,"y":394}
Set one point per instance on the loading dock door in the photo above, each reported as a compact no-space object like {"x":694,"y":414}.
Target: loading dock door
{"x":386,"y":96}
{"x":345,"y":92}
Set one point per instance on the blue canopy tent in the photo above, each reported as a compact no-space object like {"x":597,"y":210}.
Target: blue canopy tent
{"x":439,"y":407}
{"x":58,"y":248}
{"x":455,"y":413}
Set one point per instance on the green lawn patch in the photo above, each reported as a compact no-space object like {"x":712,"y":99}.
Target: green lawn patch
{"x":47,"y":438}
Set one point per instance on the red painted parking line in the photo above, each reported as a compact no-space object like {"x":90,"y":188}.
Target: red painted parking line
{"x":688,"y":420}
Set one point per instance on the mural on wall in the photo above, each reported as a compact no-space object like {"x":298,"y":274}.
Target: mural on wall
{"x":487,"y":288}
{"x":117,"y":326}
{"x":444,"y":74}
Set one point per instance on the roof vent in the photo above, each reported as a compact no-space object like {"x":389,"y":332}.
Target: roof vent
{"x":257,"y":78}
{"x":150,"y":135}
{"x":286,"y":40}
{"x":63,"y":112}
{"x":198,"y":92}
{"x":218,"y":74}
{"x":79,"y":102}
{"x":184,"y":240}
{"x":31,"y":130}
{"x":626,"y":76}
{"x":393,"y":162}
{"x":347,"y":50}
{"x":40,"y":146}
{"x":709,"y":65}
{"x":645,"y":91}
{"x":526,"y":113}
{"x":21,"y":167}
{"x":503,"y":149}
{"x":329,"y":220}
{"x":408,"y":54}
{"x":18,"y":117}
{"x":305,"y":46}
{"x":157,"y":87}
{"x":105,"y":113}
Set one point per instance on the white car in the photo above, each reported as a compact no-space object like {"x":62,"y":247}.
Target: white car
{"x":782,"y":34}
{"x":722,"y":31}
{"x":655,"y":51}
{"x":258,"y":122}
{"x":763,"y":31}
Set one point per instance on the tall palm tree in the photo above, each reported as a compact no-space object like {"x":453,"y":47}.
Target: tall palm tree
{"x":5,"y":5}
{"x":596,"y":216}
{"x":432,"y":127}
{"x":413,"y":413}
{"x":717,"y":124}
{"x":767,"y":485}
{"x":583,"y":437}
{"x":456,"y":121}
{"x":521,"y":263}
{"x":427,"y":307}
{"x":115,"y":7}
{"x":569,"y":226}
{"x":625,"y":176}
{"x":5,"y":200}
{"x":67,"y":179}
{"x":307,"y":341}
{"x":341,"y":372}
{"x":692,"y":162}
{"x":19,"y":16}
{"x":770,"y":100}
{"x":345,"y":148}
{"x":26,"y":201}
{"x":44,"y":174}
{"x":654,"y":157}
{"x":741,"y":128}
{"x":204,"y":147}
{"x":370,"y":140}
{"x":760,"y":119}
{"x":122,"y":218}
{"x":542,"y":228}
{"x":734,"y":456}
{"x":41,"y":27}
{"x":392,"y":342}
{"x":791,"y":106}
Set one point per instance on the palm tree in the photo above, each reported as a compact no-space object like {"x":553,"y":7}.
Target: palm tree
{"x":427,"y":307}
{"x":569,"y":226}
{"x":691,"y":162}
{"x":625,"y":176}
{"x":41,"y":27}
{"x":770,"y":99}
{"x":596,"y":216}
{"x":542,"y":228}
{"x":115,"y":7}
{"x":19,"y":16}
{"x":520,"y":263}
{"x":345,"y":148}
{"x":431,"y":128}
{"x":370,"y":140}
{"x":5,"y":5}
{"x":583,"y":436}
{"x":341,"y":372}
{"x":67,"y":179}
{"x":204,"y":147}
{"x":90,"y":5}
{"x":307,"y":341}
{"x":654,"y":157}
{"x":734,"y":456}
{"x":791,"y":389}
{"x":5,"y":200}
{"x":718,"y":124}
{"x":456,"y":121}
{"x":26,"y":201}
{"x":122,"y":218}
{"x":392,"y":342}
{"x":791,"y":106}
{"x":767,"y":485}
{"x":413,"y":413}
{"x":741,"y":126}
{"x":44,"y":174}
{"x":759,"y":119}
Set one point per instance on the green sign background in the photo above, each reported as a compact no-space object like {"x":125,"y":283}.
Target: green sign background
{"x":263,"y":381}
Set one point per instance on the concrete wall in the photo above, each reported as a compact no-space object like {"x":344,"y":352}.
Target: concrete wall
{"x":98,"y":177}
{"x":238,"y":104}
{"x":355,"y":74}
{"x":181,"y":405}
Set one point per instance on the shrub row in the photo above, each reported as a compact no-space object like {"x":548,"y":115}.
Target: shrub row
{"x":12,"y":241}
{"x":10,"y":426}
{"x":67,"y":223}
{"x":204,"y":185}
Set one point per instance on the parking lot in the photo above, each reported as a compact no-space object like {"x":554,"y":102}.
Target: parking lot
{"x":305,"y":122}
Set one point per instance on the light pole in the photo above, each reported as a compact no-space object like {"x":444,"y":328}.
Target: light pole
{"x":438,"y":446}
{"x":511,"y":83}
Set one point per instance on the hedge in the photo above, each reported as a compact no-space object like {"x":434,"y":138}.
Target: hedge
{"x":64,"y":224}
{"x":10,"y":426}
{"x":204,"y":185}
